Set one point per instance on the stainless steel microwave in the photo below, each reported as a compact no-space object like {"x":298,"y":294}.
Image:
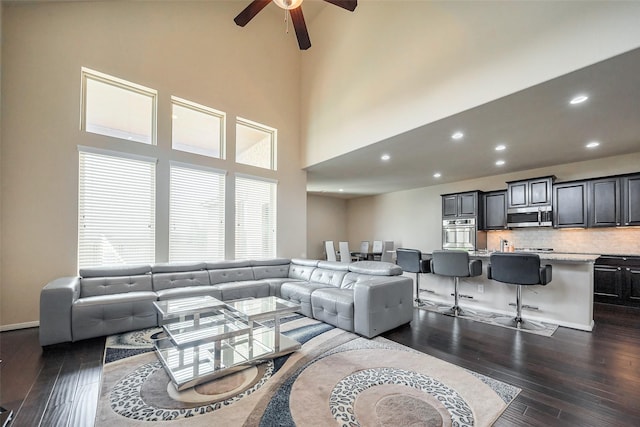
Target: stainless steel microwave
{"x":538,"y":216}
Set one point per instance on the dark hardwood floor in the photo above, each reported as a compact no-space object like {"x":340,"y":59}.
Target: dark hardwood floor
{"x":573,"y":378}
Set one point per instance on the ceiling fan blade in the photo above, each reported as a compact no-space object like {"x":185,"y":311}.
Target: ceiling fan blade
{"x":250,"y":12}
{"x":301,"y":28}
{"x":350,"y":5}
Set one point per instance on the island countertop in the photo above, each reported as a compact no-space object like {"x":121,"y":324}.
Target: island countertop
{"x":547,"y":256}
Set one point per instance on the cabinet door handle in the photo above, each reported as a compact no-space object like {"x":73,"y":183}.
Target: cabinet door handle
{"x":619,"y":268}
{"x":628,"y":269}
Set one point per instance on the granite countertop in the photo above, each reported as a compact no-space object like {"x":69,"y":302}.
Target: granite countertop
{"x":548,"y":256}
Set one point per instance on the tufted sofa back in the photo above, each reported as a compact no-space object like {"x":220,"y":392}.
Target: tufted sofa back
{"x":176,"y":275}
{"x":114,"y":280}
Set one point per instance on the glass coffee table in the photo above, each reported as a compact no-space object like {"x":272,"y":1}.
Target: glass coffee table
{"x":208,"y":338}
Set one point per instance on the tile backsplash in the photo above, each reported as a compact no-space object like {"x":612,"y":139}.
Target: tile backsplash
{"x":615,"y":241}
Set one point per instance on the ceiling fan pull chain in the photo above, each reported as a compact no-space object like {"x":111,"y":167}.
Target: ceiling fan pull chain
{"x":286,"y":20}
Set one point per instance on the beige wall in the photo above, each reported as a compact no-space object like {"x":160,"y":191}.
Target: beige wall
{"x":412,"y":218}
{"x":395,"y":65}
{"x":192,"y":50}
{"x":326,"y":220}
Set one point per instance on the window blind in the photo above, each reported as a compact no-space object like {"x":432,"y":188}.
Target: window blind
{"x":116,"y":210}
{"x":196,"y":214}
{"x":255,"y":218}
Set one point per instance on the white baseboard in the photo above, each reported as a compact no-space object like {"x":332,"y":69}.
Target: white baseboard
{"x":15,"y":326}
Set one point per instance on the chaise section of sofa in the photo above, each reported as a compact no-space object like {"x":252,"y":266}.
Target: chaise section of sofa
{"x":363,"y":297}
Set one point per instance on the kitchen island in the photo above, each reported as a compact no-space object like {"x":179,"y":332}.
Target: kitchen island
{"x":566,"y":301}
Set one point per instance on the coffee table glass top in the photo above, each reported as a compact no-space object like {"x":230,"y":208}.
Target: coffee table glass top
{"x":263,"y":307}
{"x":185,"y":306}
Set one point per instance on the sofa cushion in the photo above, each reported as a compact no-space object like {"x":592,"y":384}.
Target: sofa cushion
{"x":333,"y":306}
{"x":300,"y":293}
{"x":180,"y":279}
{"x":244,"y":289}
{"x":271,"y":261}
{"x":95,"y":286}
{"x":334,"y":265}
{"x":174,"y":267}
{"x":233,"y":263}
{"x":326,"y":276}
{"x":226,"y":275}
{"x":350,"y":279}
{"x":275,"y":283}
{"x":111,"y":314}
{"x":271,"y":271}
{"x":304,"y":261}
{"x":115,"y":270}
{"x":300,"y":272}
{"x":189,"y":291}
{"x":375,"y":268}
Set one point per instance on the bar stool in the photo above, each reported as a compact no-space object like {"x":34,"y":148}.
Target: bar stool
{"x":410,"y":260}
{"x":454,"y":264}
{"x":521,"y":270}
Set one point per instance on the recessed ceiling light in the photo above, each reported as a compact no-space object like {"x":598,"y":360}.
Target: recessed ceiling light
{"x":457,"y":135}
{"x":437,"y":175}
{"x":385,"y":157}
{"x":578,"y":99}
{"x":500,"y":147}
{"x":341,"y":190}
{"x":592,"y":144}
{"x":174,"y":116}
{"x":500,"y":163}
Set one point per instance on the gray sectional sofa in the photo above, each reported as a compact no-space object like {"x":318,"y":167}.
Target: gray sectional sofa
{"x":365,"y":297}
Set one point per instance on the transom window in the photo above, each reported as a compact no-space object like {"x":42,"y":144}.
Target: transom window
{"x":197,"y":129}
{"x":255,"y":144}
{"x":118,"y":108}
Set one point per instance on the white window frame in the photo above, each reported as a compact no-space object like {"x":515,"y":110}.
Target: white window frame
{"x":274,"y":142}
{"x":205,"y":110}
{"x":87,"y":73}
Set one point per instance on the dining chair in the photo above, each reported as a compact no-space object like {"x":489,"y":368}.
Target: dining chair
{"x":387,"y":251}
{"x":345,"y":253}
{"x":364,"y":251}
{"x":330,"y":250}
{"x":376,"y":250}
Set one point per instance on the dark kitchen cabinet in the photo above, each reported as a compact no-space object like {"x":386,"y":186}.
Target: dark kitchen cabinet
{"x":460,"y":205}
{"x":570,"y":204}
{"x":530,"y":193}
{"x":617,"y":280}
{"x":605,"y":202}
{"x":614,"y":201}
{"x":495,"y":210}
{"x":631,"y":200}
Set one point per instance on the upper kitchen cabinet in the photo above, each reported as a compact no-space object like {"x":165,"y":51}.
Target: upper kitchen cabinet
{"x":631,"y":199}
{"x":605,"y":202}
{"x":495,"y":210}
{"x":530,"y":193}
{"x":570,"y":204}
{"x":461,"y":205}
{"x":614,"y":201}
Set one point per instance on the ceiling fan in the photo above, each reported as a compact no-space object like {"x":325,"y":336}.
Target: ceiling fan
{"x":295,"y":10}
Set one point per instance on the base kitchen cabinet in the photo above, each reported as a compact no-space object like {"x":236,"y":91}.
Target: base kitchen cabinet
{"x":617,"y":280}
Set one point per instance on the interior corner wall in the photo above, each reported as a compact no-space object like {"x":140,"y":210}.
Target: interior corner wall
{"x":327,"y":220}
{"x":192,"y":50}
{"x":413,"y":218}
{"x":393,"y":66}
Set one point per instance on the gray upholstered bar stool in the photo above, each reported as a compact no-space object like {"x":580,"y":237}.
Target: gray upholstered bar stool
{"x":521,"y":270}
{"x":454,"y":264}
{"x":410,"y":260}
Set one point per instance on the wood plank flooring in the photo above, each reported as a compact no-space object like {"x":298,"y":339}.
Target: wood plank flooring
{"x":574,"y":378}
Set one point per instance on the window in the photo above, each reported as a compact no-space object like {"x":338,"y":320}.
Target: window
{"x":255,"y":144}
{"x":197,"y":129}
{"x":117,"y":108}
{"x":255,"y":218}
{"x":196,"y":214}
{"x":116,"y":209}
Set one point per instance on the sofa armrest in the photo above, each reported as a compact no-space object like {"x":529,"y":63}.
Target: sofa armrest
{"x":381,"y":304}
{"x":56,"y":300}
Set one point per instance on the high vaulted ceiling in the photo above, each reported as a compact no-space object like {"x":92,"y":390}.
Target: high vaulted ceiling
{"x":538,"y":126}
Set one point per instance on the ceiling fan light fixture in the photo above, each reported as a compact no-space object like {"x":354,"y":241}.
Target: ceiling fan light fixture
{"x":288,"y":4}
